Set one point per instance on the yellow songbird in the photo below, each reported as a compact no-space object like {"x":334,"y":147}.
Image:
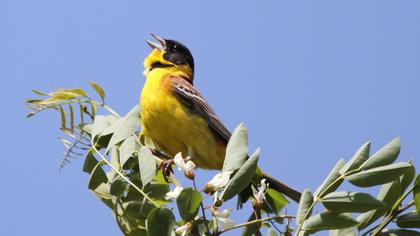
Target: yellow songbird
{"x":174,"y":115}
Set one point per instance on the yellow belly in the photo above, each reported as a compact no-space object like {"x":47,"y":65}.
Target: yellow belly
{"x":173,"y":128}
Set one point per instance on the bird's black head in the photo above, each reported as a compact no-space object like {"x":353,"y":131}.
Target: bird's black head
{"x":169,"y":53}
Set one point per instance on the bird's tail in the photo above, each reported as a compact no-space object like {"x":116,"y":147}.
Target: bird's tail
{"x":279,"y":186}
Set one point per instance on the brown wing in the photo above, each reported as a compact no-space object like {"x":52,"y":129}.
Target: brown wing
{"x":191,"y":98}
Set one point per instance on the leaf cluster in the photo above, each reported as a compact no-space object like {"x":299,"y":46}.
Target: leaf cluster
{"x":124,"y":173}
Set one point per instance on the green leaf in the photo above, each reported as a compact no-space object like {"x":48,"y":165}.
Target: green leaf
{"x":63,"y":117}
{"x":416,"y":194}
{"x":157,"y":192}
{"x":408,"y":177}
{"x":160,"y":221}
{"x":115,"y":158}
{"x":76,"y":92}
{"x":127,"y":148}
{"x":97,"y":177}
{"x":409,"y":220}
{"x":378,"y":175}
{"x":100,"y":123}
{"x":188,"y":203}
{"x":343,"y":232}
{"x":242,"y":178}
{"x":114,"y":124}
{"x":304,"y":210}
{"x":90,"y":163}
{"x":237,"y":149}
{"x":147,"y":164}
{"x":103,"y":193}
{"x":332,"y":182}
{"x":388,"y":194}
{"x":275,"y":201}
{"x":386,"y":155}
{"x":328,"y":221}
{"x":117,"y":188}
{"x":361,"y":155}
{"x":71,"y":114}
{"x":39,"y":92}
{"x":129,"y":125}
{"x":350,"y":202}
{"x":399,"y":232}
{"x":98,"y":89}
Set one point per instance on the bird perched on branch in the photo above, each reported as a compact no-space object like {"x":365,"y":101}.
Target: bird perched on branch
{"x":176,"y":118}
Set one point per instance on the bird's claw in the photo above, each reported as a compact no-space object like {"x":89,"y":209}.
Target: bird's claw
{"x":166,"y":168}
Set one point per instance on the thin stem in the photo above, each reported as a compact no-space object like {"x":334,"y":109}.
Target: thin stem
{"x":124,"y":177}
{"x":255,"y":222}
{"x":317,"y":198}
{"x":391,"y":217}
{"x":202,"y":210}
{"x":112,"y":111}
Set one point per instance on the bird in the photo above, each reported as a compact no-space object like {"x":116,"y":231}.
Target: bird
{"x":175,"y":117}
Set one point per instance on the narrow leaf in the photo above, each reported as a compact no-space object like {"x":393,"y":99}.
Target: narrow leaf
{"x":39,"y":92}
{"x":147,"y":164}
{"x":350,"y":202}
{"x":328,"y":221}
{"x":332,"y":182}
{"x":361,"y":155}
{"x":304,"y":209}
{"x":386,"y":155}
{"x":399,"y":232}
{"x":63,"y":117}
{"x":71,"y":112}
{"x":75,"y":91}
{"x":378,"y":175}
{"x":416,"y":194}
{"x":237,"y":149}
{"x":188,"y":203}
{"x":409,"y":220}
{"x":160,"y":221}
{"x":98,"y":89}
{"x":408,"y":177}
{"x":242,"y":178}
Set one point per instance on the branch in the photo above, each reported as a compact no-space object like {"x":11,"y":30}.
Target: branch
{"x":256,"y":222}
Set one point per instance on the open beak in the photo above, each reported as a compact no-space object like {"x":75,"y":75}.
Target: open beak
{"x":161,"y":45}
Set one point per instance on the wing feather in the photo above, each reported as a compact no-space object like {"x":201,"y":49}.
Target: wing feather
{"x":192,"y":99}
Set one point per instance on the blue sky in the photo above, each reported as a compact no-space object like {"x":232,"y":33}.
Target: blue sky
{"x":312,"y":80}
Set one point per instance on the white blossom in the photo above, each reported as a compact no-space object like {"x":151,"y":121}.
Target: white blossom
{"x":260,"y":195}
{"x":223,"y":214}
{"x":222,"y":218}
{"x":220,"y":180}
{"x":186,"y":167}
{"x":173,"y":194}
{"x":184,"y":229}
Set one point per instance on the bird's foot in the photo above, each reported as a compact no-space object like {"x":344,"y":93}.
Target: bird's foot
{"x":166,"y":168}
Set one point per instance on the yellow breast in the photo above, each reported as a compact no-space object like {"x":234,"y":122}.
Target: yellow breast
{"x":173,"y":128}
